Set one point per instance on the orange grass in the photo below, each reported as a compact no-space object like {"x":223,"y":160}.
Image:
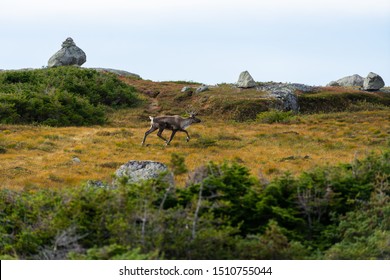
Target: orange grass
{"x":43,"y":156}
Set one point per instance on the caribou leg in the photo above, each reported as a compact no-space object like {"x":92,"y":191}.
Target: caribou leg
{"x":160,"y":131}
{"x":147,"y":133}
{"x":173,"y":134}
{"x":188,"y":136}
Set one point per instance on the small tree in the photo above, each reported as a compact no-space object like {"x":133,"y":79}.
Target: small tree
{"x":178,"y":164}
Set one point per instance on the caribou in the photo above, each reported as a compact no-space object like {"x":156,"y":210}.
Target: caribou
{"x":173,"y":123}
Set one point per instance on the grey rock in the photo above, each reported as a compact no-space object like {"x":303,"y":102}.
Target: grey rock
{"x":301,"y":87}
{"x":333,"y":84}
{"x":373,"y":82}
{"x":285,"y":93}
{"x":69,"y":54}
{"x":351,"y":81}
{"x":288,"y":98}
{"x":136,"y":171}
{"x":117,"y":72}
{"x":202,"y":88}
{"x":76,"y":160}
{"x":245,"y":80}
{"x":271,"y":86}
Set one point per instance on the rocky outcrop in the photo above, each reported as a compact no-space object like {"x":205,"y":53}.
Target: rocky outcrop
{"x":301,"y":87}
{"x":286,"y":94}
{"x":373,"y":82}
{"x":349,"y":81}
{"x":135,"y":171}
{"x":288,"y":98}
{"x":245,"y":80}
{"x":69,"y":54}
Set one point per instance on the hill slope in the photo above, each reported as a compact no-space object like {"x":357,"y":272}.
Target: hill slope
{"x":354,"y":122}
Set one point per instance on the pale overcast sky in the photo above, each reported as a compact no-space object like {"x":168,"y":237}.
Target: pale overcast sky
{"x":311,"y":42}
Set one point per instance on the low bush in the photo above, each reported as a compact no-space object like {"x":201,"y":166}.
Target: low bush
{"x":57,"y":109}
{"x":340,"y":101}
{"x":61,"y":96}
{"x":276,"y":116}
{"x":178,"y":164}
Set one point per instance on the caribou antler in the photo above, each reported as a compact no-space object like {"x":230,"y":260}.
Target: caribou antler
{"x":191,"y":111}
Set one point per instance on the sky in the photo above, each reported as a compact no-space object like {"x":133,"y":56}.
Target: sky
{"x":207,"y":41}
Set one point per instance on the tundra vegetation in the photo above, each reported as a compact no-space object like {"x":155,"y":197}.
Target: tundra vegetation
{"x":252,"y":183}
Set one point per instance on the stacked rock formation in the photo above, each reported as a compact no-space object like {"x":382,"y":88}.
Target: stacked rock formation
{"x":69,"y":54}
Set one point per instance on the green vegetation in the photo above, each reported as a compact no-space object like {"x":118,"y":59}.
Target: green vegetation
{"x":178,"y":164}
{"x":61,"y":96}
{"x":341,"y":100}
{"x":275,"y":116}
{"x":340,"y":212}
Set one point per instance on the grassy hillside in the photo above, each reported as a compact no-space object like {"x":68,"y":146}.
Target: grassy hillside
{"x":42,"y":155}
{"x":231,"y":103}
{"x":270,"y":143}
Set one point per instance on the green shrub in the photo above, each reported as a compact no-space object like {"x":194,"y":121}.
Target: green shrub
{"x":112,"y":252}
{"x":3,"y":150}
{"x":337,"y":212}
{"x":271,"y":245}
{"x":178,"y":164}
{"x":227,"y":194}
{"x":61,"y":96}
{"x":275,"y":116}
{"x":56,"y":109}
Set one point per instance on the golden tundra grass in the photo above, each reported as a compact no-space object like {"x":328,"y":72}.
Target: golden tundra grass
{"x":43,"y":156}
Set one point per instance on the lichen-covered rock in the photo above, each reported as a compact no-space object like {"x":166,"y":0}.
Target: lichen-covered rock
{"x":245,"y":80}
{"x":373,"y":82}
{"x":136,"y":171}
{"x":69,"y":54}
{"x":288,"y":98}
{"x":351,"y":81}
{"x":285,"y":93}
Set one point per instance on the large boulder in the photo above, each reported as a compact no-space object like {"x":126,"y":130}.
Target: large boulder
{"x":288,"y":98}
{"x":69,"y":54}
{"x":135,"y":171}
{"x":285,"y":94}
{"x":373,"y":82}
{"x":245,"y":80}
{"x":349,"y":81}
